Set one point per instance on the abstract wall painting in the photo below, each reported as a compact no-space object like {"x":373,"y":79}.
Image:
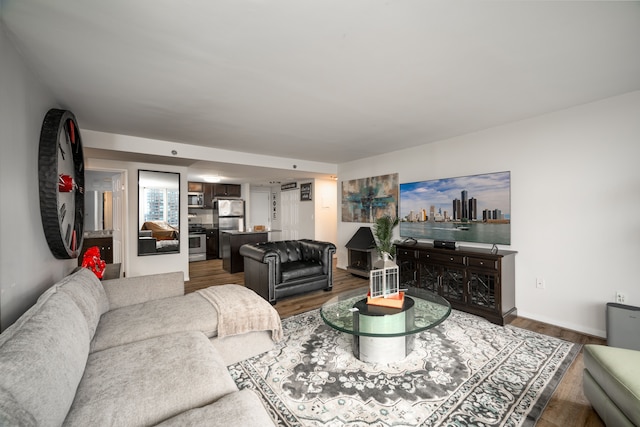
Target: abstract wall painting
{"x":366,"y":199}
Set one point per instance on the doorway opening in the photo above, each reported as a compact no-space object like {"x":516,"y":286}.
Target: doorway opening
{"x":105,"y":214}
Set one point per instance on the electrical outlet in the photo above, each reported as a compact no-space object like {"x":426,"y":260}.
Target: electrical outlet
{"x":620,"y":297}
{"x":540,"y":283}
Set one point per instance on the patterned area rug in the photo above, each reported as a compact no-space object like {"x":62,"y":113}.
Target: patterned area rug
{"x":464,"y":372}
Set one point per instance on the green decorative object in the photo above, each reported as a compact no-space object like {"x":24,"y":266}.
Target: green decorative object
{"x":382,"y":232}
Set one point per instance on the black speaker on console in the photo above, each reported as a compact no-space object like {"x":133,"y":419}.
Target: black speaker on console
{"x":444,"y":244}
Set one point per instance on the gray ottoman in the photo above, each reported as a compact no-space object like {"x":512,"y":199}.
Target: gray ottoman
{"x":611,"y":382}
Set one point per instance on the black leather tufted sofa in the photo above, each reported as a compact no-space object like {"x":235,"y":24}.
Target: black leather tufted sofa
{"x":276,"y":270}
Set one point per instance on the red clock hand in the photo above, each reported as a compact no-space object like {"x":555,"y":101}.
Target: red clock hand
{"x":65,"y":183}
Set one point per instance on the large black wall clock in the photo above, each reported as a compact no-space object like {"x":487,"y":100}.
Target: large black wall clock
{"x":61,"y":178}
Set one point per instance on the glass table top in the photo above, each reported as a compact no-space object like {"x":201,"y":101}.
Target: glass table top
{"x":427,"y":310}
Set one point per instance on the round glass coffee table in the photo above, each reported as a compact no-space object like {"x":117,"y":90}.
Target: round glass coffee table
{"x":383,"y":334}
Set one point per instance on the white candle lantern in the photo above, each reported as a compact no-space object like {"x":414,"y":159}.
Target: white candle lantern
{"x":384,"y":278}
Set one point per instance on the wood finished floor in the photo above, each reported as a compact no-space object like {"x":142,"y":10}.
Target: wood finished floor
{"x":568,"y":405}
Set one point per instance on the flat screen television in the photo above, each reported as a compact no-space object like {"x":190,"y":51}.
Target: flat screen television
{"x":475,"y":208}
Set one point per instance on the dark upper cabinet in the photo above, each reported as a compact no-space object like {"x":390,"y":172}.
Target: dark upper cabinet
{"x":208,"y":195}
{"x":195,"y":186}
{"x":211,"y":191}
{"x":227,"y":190}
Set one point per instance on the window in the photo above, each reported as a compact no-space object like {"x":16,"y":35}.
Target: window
{"x":162,"y":204}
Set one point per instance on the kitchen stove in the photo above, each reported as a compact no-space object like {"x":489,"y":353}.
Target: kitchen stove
{"x":197,"y":243}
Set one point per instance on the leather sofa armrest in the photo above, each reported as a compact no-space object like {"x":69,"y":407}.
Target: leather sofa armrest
{"x":259,"y":252}
{"x":264,"y":253}
{"x":322,"y":252}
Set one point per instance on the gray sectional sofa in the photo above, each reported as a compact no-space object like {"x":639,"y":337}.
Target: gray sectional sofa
{"x":130,"y":352}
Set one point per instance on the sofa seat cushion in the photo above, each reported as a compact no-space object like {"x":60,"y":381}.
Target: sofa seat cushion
{"x":617,"y":372}
{"x":293,"y":270}
{"x":137,"y":322}
{"x":241,"y":409}
{"x":146,"y":382}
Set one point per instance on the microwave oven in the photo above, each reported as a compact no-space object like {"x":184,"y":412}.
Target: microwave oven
{"x":195,"y":200}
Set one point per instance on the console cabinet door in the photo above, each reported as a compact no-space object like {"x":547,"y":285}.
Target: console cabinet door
{"x":443,"y":275}
{"x":484,"y":283}
{"x":429,"y":276}
{"x":406,"y":261}
{"x":452,"y":284}
{"x":449,"y":271}
{"x":483,"y":290}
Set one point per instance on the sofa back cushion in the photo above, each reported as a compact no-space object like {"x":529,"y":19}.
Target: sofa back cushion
{"x":140,"y":289}
{"x":288,"y":250}
{"x":84,"y":288}
{"x":301,"y":250}
{"x":42,"y":359}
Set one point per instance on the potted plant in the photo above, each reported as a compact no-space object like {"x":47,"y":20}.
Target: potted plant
{"x":382,"y":232}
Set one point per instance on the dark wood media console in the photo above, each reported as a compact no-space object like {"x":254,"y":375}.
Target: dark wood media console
{"x":472,"y":279}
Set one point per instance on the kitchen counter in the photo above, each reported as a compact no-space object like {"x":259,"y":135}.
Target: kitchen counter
{"x":232,"y":261}
{"x":235,"y":232}
{"x":96,"y":234}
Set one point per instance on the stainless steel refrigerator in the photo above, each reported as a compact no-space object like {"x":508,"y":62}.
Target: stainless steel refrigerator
{"x":228,"y":214}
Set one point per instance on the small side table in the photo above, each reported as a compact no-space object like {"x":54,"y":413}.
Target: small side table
{"x":393,"y":323}
{"x":382,"y":334}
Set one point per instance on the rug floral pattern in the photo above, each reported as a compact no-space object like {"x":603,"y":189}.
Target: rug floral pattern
{"x":464,"y":372}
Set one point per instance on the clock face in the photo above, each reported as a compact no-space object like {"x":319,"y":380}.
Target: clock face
{"x":61,"y":178}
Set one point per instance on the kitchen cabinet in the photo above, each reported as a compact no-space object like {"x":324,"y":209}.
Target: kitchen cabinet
{"x":472,"y":279}
{"x":211,"y":191}
{"x":195,"y":186}
{"x":227,"y":190}
{"x":105,"y":244}
{"x":208,"y":195}
{"x":212,"y":243}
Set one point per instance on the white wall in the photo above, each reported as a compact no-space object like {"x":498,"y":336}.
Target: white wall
{"x":27,"y":267}
{"x":575,"y":195}
{"x":575,"y":198}
{"x":317,"y":217}
{"x":133,"y":264}
{"x":326,"y":210}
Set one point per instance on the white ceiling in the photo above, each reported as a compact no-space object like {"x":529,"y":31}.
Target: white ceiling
{"x":323,"y":80}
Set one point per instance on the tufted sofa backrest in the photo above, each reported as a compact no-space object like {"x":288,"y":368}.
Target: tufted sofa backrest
{"x":295,"y":250}
{"x":288,"y":250}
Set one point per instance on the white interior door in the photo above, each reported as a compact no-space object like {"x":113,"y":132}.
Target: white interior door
{"x":118,"y":198}
{"x":259,"y":208}
{"x":290,"y":215}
